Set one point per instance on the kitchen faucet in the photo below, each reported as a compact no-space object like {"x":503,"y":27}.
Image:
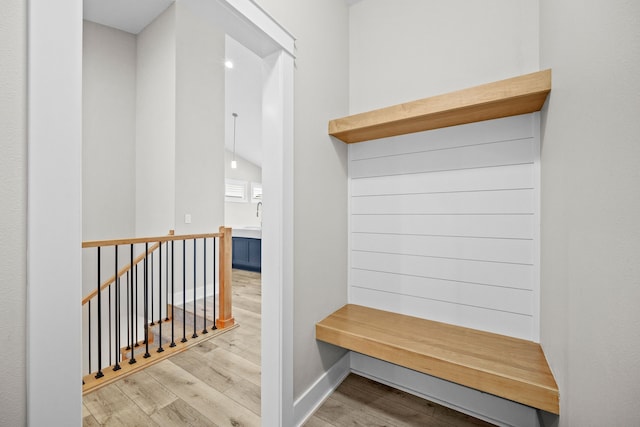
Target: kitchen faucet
{"x":258,"y":209}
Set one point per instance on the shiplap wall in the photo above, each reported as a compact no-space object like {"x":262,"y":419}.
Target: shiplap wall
{"x":444,"y":225}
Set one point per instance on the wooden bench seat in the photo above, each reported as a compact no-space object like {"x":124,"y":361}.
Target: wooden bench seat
{"x":511,"y":368}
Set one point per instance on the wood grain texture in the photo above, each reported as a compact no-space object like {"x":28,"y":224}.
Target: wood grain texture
{"x":510,"y":97}
{"x":129,"y":404}
{"x":138,"y":240}
{"x":91,"y":383}
{"x":215,"y":406}
{"x":508,"y":367}
{"x":225,"y":318}
{"x":179,"y":413}
{"x":220,"y":371}
{"x":360,"y":401}
{"x":137,"y":260}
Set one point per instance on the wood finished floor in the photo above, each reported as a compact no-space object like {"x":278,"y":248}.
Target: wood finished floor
{"x":217,"y":383}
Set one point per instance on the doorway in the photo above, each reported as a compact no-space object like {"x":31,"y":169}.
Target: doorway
{"x":55,"y":200}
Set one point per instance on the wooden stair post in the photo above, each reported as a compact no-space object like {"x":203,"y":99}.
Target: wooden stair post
{"x":225,"y":316}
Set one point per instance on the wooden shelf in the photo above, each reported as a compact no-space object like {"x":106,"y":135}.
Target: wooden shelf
{"x":510,"y":97}
{"x":508,"y":367}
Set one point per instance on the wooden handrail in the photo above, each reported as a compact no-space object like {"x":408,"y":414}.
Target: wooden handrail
{"x":137,"y":240}
{"x":157,"y":240}
{"x":223,"y":321}
{"x":121,"y":272}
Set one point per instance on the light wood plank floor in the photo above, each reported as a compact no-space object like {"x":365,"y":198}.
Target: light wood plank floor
{"x":359,"y":401}
{"x":217,"y":383}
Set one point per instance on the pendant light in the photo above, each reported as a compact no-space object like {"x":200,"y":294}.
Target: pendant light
{"x":234,"y":164}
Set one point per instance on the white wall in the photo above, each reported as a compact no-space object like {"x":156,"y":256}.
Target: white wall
{"x":243,"y":96}
{"x":108,"y":142}
{"x":238,"y":214}
{"x":108,"y":132}
{"x":199,"y":122}
{"x":411,"y":49}
{"x":590,"y":209}
{"x":13,"y":211}
{"x":155,"y":126}
{"x":320,"y":172}
{"x":444,"y":225}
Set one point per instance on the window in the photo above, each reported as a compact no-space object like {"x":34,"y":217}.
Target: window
{"x":235,"y":190}
{"x":256,"y":192}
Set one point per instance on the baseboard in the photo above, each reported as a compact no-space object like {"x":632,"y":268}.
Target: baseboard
{"x":315,"y":395}
{"x":177,"y":295}
{"x":484,"y":406}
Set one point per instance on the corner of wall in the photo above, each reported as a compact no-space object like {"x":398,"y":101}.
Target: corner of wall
{"x":314,"y":396}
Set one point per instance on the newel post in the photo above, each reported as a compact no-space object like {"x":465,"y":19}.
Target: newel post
{"x":225,"y":317}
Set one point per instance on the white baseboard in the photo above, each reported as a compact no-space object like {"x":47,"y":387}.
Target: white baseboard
{"x":480,"y":405}
{"x":315,"y":395}
{"x":177,"y":296}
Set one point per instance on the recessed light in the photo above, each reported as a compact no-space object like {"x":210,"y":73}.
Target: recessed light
{"x":228,"y":64}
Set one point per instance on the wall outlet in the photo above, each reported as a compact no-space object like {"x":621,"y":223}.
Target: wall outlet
{"x":187,"y":218}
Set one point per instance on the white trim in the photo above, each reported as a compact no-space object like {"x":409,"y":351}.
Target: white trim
{"x":312,"y":399}
{"x":535,"y":334}
{"x":277,"y":242}
{"x":262,"y":20}
{"x":54,"y":213}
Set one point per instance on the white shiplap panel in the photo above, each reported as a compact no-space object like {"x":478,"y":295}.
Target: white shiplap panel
{"x":500,"y":226}
{"x":506,"y":129}
{"x":474,"y":202}
{"x":480,"y":249}
{"x":492,"y":297}
{"x":445,"y":225}
{"x":500,"y":322}
{"x":492,"y":178}
{"x":468,"y":157}
{"x":488,"y":273}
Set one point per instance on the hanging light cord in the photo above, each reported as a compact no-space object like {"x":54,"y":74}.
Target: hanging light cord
{"x":235,"y":116}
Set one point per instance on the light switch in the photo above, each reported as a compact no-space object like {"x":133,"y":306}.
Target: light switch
{"x":187,"y":218}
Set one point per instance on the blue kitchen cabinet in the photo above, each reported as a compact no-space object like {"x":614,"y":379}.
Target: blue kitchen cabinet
{"x":247,"y":254}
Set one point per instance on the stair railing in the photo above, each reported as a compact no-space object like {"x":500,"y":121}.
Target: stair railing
{"x":124,"y":315}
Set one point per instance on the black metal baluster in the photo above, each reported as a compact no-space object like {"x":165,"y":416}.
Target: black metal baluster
{"x":173,"y":343}
{"x":166,"y":284}
{"x":109,"y":324}
{"x":146,"y":301}
{"x":152,"y":256}
{"x":132,"y":359}
{"x":128,"y":311}
{"x":89,"y":346}
{"x":204,"y":281}
{"x":118,"y":326}
{"x":184,"y":291}
{"x":117,"y":308}
{"x":135,"y":277}
{"x":194,"y":291}
{"x":214,"y":285}
{"x":99,"y":374}
{"x":160,"y":349}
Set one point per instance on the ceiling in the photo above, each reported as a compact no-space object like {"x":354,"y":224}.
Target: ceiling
{"x":243,"y":96}
{"x":134,"y":16}
{"x":131,"y":15}
{"x":126,"y":15}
